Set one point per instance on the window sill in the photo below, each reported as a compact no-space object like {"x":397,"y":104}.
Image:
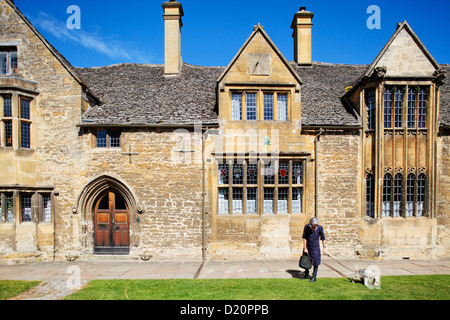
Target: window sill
{"x":20,"y":151}
{"x":96,"y":149}
{"x":7,"y":224}
{"x":260,"y":121}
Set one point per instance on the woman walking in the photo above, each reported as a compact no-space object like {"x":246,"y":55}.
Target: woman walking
{"x":312,"y":234}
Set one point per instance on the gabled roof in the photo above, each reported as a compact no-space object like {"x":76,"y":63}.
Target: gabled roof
{"x":323,"y":86}
{"x":140,"y":95}
{"x":260,"y":29}
{"x":52,"y":49}
{"x":400,"y":27}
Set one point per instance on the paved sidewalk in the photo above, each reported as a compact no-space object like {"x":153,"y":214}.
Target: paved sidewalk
{"x":56,"y":275}
{"x":116,"y":269}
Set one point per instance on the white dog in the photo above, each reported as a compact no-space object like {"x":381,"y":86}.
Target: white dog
{"x":370,"y":276}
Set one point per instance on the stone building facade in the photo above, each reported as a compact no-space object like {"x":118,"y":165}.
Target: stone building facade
{"x":177,"y":161}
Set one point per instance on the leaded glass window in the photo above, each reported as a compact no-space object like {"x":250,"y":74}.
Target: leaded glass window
{"x":269,"y":187}
{"x":370,"y":104}
{"x":388,"y":108}
{"x":223,"y":173}
{"x":108,"y":139}
{"x":252,"y":200}
{"x":251,"y":106}
{"x":223,"y":200}
{"x":421,"y":189}
{"x":238,"y":173}
{"x":101,"y":139}
{"x":410,"y":184}
{"x":47,"y":208}
{"x":297,"y":200}
{"x":25,"y":138}
{"x":387,"y":183}
{"x":25,"y":206}
{"x":8,"y":133}
{"x":269,"y":200}
{"x":283,"y":200}
{"x":7,"y":107}
{"x":268,"y":106}
{"x":236,"y":110}
{"x":398,"y":117}
{"x":283,"y":172}
{"x":269,"y":173}
{"x":282,"y":107}
{"x":411,"y":108}
{"x":370,"y":196}
{"x":238,"y":197}
{"x":8,"y":60}
{"x":423,"y":101}
{"x":252,"y":173}
{"x":398,"y":183}
{"x":6,"y":207}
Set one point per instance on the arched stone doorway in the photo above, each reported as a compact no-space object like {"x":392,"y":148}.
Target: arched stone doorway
{"x":111,"y":224}
{"x":108,"y":209}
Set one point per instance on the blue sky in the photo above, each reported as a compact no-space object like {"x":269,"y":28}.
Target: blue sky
{"x":133,"y":31}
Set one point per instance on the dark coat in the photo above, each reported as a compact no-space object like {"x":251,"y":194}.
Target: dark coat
{"x":313,"y":242}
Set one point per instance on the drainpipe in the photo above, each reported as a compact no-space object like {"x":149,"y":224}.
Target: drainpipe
{"x":203,"y":197}
{"x":316,"y":173}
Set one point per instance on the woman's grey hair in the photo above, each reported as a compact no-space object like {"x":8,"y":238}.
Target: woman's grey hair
{"x":314,"y":221}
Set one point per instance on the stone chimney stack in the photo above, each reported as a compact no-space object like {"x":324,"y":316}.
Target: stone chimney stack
{"x":302,"y":37}
{"x":173,"y":12}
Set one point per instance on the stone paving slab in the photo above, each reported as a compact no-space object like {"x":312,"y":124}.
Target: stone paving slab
{"x":55,"y":275}
{"x":212,"y":269}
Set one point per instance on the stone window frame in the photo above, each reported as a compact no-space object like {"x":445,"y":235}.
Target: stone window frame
{"x":11,"y":66}
{"x":242,"y":114}
{"x":40,"y":213}
{"x":6,"y":205}
{"x":370,"y":195}
{"x":391,"y":190}
{"x":17,"y":120}
{"x":370,"y":103}
{"x":6,"y":133}
{"x":227,"y":188}
{"x":25,"y":122}
{"x":393,"y":120}
{"x":109,"y":138}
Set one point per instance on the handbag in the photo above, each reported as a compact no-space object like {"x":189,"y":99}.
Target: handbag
{"x":306,"y":262}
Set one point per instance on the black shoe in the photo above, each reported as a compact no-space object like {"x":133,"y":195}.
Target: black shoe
{"x":313,"y":279}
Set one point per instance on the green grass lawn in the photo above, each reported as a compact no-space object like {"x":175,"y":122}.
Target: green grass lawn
{"x":10,"y":289}
{"x":431,"y":287}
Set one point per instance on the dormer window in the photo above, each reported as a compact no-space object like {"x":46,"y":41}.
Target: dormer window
{"x":8,"y":60}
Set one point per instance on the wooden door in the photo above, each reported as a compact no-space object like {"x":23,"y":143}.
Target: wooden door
{"x":112,"y":227}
